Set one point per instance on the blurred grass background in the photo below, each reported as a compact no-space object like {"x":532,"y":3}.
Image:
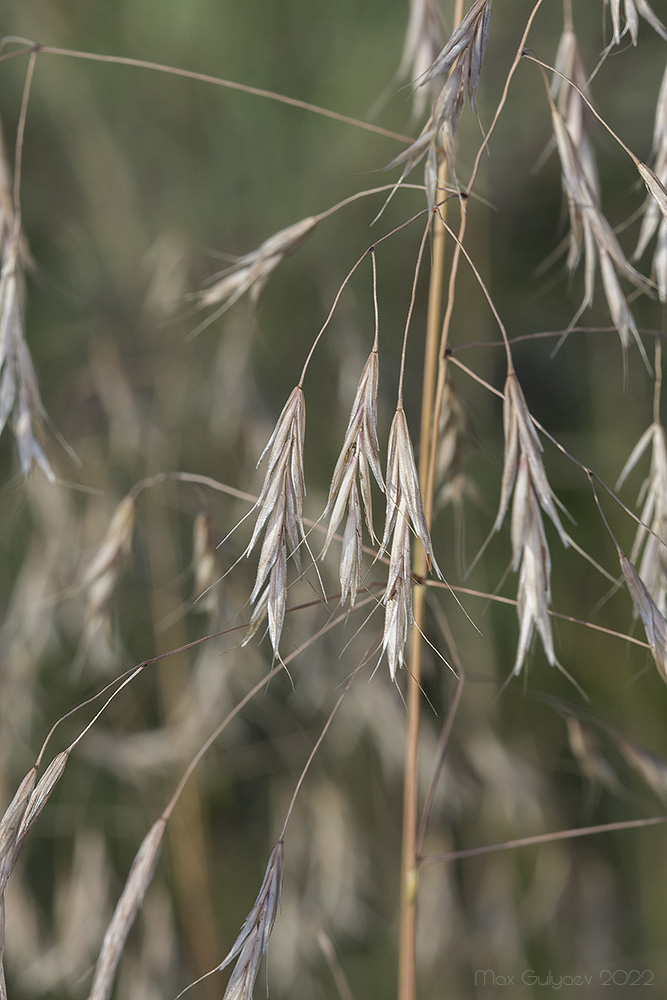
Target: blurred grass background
{"x":134,"y":183}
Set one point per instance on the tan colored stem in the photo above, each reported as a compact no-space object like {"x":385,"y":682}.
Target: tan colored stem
{"x":407,"y":965}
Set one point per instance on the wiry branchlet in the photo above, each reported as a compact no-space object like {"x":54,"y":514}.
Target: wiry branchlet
{"x":423,"y":40}
{"x":653,"y":620}
{"x":126,"y":911}
{"x":19,"y":393}
{"x":523,"y":472}
{"x":586,"y":749}
{"x":253,"y":941}
{"x":405,"y":512}
{"x":280,"y":512}
{"x":251,"y":272}
{"x":359,"y":454}
{"x":651,"y":534}
{"x":632,"y":9}
{"x":653,"y":769}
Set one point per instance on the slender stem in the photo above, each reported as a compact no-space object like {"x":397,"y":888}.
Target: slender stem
{"x":20,"y":135}
{"x":407,"y":969}
{"x":544,"y":838}
{"x":219,"y":82}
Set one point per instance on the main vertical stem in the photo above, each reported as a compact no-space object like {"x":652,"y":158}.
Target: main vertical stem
{"x":407,"y":963}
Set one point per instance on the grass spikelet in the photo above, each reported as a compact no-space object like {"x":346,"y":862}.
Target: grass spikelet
{"x":632,"y":9}
{"x":11,"y":823}
{"x":252,"y":944}
{"x":19,"y":392}
{"x":359,"y":454}
{"x":423,"y":41}
{"x":652,"y":532}
{"x":405,"y":510}
{"x":468,"y":43}
{"x":653,"y":621}
{"x":250,"y":273}
{"x":531,"y":556}
{"x":280,"y":513}
{"x":126,"y":910}
{"x":521,"y":439}
{"x":404,"y":495}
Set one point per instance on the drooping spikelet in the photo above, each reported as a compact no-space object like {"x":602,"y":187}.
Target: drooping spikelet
{"x":251,"y":272}
{"x":359,"y":454}
{"x":523,"y":473}
{"x":405,"y":512}
{"x":655,"y":208}
{"x":458,"y":64}
{"x":252,"y":944}
{"x":651,"y":536}
{"x":280,"y":512}
{"x":631,"y":11}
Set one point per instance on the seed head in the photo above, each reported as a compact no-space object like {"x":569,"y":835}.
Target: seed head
{"x":653,"y":620}
{"x":359,"y":454}
{"x":652,"y":543}
{"x":251,"y":272}
{"x":631,"y":11}
{"x":253,"y":941}
{"x":405,"y":511}
{"x":280,"y":512}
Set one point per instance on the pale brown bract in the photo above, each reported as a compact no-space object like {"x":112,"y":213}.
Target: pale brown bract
{"x":359,"y":456}
{"x":653,"y":620}
{"x":651,"y":535}
{"x":524,"y":474}
{"x":405,"y":512}
{"x":459,"y":62}
{"x":632,"y":9}
{"x":280,"y":512}
{"x":251,"y":272}
{"x":252,"y":944}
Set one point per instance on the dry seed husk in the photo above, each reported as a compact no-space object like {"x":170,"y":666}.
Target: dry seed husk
{"x":653,"y":621}
{"x":126,"y":910}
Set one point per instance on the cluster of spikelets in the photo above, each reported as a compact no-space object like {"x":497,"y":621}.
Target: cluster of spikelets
{"x":453,"y":73}
{"x":280,"y":513}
